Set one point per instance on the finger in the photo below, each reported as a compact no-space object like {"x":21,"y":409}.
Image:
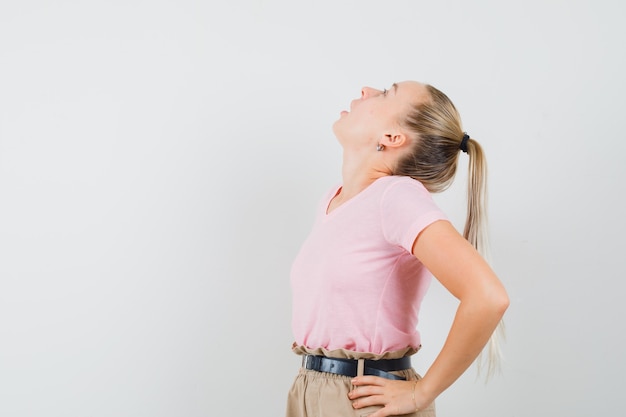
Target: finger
{"x":369,"y":380}
{"x":368,"y":401}
{"x":385,"y":411}
{"x":365,"y":390}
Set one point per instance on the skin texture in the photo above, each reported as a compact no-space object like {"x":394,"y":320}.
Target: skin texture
{"x":372,"y":120}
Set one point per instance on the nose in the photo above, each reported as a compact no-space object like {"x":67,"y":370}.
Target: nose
{"x":367,"y":92}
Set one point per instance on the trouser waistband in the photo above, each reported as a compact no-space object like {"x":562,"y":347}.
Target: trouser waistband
{"x":350,"y":367}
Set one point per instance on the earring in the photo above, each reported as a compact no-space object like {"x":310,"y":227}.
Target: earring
{"x":380,"y":147}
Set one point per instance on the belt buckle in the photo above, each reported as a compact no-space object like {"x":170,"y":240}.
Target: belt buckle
{"x":306,"y":359}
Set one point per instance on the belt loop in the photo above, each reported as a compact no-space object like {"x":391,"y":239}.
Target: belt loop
{"x":360,"y":367}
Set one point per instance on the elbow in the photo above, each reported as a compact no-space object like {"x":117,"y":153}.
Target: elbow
{"x":500,"y":302}
{"x":490,"y":299}
{"x":494,"y":301}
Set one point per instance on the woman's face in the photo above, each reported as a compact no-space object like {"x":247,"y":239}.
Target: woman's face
{"x":377,"y":113}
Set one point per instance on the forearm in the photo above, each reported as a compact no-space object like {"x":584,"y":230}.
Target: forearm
{"x":473,"y":324}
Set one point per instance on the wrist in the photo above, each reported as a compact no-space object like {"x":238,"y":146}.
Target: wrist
{"x":422,"y":394}
{"x":413,"y":395}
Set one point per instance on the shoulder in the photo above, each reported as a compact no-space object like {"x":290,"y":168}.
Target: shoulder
{"x":409,"y":197}
{"x":396,"y":186}
{"x":406,"y":209}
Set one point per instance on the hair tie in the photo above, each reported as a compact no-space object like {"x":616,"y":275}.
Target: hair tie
{"x":463,"y":145}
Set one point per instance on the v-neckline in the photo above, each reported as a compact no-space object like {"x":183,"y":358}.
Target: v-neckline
{"x":340,"y":207}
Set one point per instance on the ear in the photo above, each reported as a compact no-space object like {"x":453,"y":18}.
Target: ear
{"x":394,"y":140}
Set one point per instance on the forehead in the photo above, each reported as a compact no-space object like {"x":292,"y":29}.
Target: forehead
{"x":412,"y":91}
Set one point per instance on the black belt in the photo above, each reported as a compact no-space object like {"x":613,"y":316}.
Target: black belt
{"x":348,"y":367}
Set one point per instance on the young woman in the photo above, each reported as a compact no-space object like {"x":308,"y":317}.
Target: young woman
{"x":361,"y":275}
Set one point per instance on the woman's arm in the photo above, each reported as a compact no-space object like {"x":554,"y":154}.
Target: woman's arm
{"x":483,"y":301}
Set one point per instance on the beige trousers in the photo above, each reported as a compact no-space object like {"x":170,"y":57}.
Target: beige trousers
{"x":320,"y":394}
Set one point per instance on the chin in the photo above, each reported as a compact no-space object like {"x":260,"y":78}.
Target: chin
{"x":338,"y":135}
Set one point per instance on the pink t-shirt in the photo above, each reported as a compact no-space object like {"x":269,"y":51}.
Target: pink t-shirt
{"x":355,"y":283}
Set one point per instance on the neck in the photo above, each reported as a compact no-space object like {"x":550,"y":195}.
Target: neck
{"x":359,"y":173}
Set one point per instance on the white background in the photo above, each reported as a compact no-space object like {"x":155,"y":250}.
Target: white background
{"x":160,"y":162}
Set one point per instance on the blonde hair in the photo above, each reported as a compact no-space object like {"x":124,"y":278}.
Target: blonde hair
{"x":435,"y":126}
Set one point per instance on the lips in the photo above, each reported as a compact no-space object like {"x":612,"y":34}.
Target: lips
{"x":344,"y":112}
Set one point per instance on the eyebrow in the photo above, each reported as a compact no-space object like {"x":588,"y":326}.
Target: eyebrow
{"x":395,"y":88}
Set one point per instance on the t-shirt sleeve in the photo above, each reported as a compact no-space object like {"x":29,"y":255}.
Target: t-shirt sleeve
{"x":407,"y":208}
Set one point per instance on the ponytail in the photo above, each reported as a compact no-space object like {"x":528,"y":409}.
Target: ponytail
{"x":476,"y":233}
